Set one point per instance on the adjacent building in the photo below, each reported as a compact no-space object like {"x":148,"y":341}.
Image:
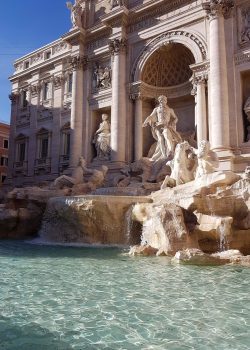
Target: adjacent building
{"x":4,"y":150}
{"x":117,"y":58}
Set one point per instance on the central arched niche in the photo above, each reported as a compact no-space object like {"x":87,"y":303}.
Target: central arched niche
{"x":167,"y":71}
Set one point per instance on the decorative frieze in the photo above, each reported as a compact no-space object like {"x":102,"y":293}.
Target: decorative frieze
{"x":241,"y":58}
{"x":215,"y":8}
{"x":117,"y":45}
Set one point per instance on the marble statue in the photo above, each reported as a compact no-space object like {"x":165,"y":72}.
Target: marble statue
{"x":78,"y":183}
{"x":114,"y":3}
{"x":102,"y":139}
{"x":246,"y":174}
{"x":75,"y":179}
{"x":163,"y":124}
{"x":102,"y":77}
{"x":76,"y":12}
{"x":183,"y":165}
{"x":206,"y":163}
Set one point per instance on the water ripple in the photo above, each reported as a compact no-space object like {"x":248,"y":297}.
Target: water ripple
{"x":83,"y":298}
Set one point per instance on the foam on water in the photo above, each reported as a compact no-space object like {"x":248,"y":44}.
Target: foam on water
{"x":53,"y":297}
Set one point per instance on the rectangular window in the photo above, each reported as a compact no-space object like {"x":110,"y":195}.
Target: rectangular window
{"x":6,"y":144}
{"x":47,"y":55}
{"x":70,"y":83}
{"x":44,"y":147}
{"x":21,"y":155}
{"x":46,"y":91}
{"x":4,"y":161}
{"x":26,"y":65}
{"x":66,"y":144}
{"x":24,"y":102}
{"x":3,"y":177}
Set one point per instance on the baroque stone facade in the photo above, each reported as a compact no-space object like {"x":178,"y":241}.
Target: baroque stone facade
{"x":116,"y":60}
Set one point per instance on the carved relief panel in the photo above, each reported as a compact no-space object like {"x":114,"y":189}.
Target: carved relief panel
{"x":101,"y":76}
{"x":244,"y":24}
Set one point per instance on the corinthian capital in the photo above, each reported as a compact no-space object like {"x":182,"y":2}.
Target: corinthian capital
{"x":78,"y":62}
{"x":117,"y":45}
{"x":215,"y":8}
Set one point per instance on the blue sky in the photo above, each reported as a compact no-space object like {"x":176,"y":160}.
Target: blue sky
{"x":26,"y":25}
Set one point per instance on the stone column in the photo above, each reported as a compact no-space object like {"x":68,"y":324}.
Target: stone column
{"x":138,"y":134}
{"x":218,"y":84}
{"x":77,"y":63}
{"x":57,"y":81}
{"x":200,"y":107}
{"x":14,"y":98}
{"x":118,"y":109}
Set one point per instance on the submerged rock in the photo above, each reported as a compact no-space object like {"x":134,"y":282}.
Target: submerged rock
{"x":197,"y":257}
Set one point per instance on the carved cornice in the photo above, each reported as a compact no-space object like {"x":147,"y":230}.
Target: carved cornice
{"x":78,"y":62}
{"x":143,"y":91}
{"x":241,"y":58}
{"x":216,"y":8}
{"x":200,"y":79}
{"x":117,"y":45}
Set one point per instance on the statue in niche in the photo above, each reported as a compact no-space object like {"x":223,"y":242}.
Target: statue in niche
{"x":163,"y":125}
{"x":76,"y":12}
{"x":114,"y":3}
{"x":245,"y":34}
{"x":102,"y":139}
{"x":103,"y":77}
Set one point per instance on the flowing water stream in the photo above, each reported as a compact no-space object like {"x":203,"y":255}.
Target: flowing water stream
{"x":54,"y":297}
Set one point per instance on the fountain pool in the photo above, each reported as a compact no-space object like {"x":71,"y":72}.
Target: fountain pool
{"x":55,"y":297}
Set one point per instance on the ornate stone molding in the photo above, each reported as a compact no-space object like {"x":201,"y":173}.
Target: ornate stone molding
{"x":117,"y":45}
{"x":35,"y":89}
{"x":58,"y":81}
{"x":192,"y":41}
{"x":215,"y":8}
{"x":241,"y":58}
{"x":14,"y":97}
{"x":198,"y":80}
{"x":143,"y":91}
{"x":78,"y":62}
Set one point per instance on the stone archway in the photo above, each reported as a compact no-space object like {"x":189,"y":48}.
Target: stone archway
{"x":164,"y":68}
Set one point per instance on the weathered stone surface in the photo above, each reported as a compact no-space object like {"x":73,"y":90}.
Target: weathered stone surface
{"x":145,"y":250}
{"x":91,"y":219}
{"x":197,"y":257}
{"x":165,"y":227}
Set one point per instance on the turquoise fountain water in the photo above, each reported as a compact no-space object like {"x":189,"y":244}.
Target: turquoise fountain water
{"x":87,"y":298}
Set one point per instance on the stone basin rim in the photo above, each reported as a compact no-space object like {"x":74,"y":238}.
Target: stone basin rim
{"x":106,"y":197}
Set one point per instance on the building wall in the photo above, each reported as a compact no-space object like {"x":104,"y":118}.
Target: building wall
{"x":52,"y":109}
{"x":4,"y":150}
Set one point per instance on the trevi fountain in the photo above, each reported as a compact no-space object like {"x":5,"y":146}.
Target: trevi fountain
{"x":151,"y":253}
